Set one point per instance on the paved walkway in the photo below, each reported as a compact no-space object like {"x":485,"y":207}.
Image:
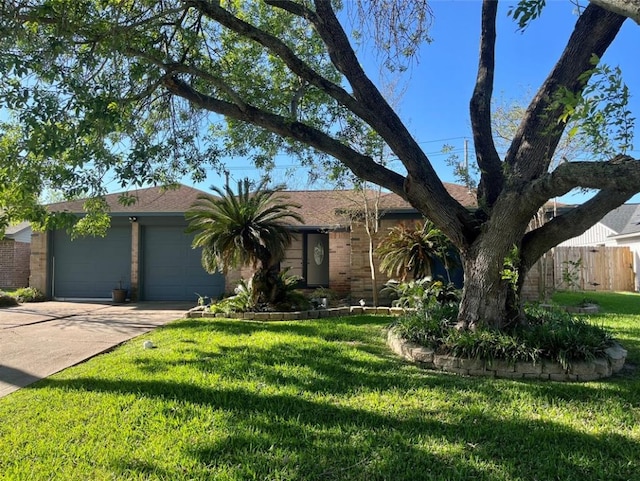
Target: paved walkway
{"x":40,"y":339}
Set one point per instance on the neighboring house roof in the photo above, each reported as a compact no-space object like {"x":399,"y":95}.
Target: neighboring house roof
{"x":319,"y":208}
{"x":14,"y":230}
{"x":623,"y":220}
{"x":20,"y":232}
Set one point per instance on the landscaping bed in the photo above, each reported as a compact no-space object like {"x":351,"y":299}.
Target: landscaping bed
{"x":299,"y":315}
{"x":546,"y":369}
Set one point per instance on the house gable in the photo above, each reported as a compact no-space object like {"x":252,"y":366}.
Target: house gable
{"x":20,"y":232}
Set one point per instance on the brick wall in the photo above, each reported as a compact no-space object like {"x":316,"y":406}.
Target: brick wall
{"x":14,"y":264}
{"x":232,"y":278}
{"x":6,"y":263}
{"x":340,"y":262}
{"x":361,"y":283}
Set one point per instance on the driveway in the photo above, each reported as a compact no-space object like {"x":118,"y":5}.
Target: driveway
{"x":40,"y":339}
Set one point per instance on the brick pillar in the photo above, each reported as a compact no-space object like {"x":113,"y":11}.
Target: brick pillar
{"x":135,"y":261}
{"x":7,"y":262}
{"x":340,"y":262}
{"x":39,"y":262}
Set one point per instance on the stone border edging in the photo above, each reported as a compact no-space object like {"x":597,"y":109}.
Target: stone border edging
{"x":301,"y":315}
{"x":547,"y":370}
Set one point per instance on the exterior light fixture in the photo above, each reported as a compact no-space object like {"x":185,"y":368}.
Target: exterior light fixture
{"x":133,"y":218}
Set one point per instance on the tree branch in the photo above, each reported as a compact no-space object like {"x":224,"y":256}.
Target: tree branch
{"x":386,"y":122}
{"x":428,"y":190}
{"x":621,"y":173}
{"x":361,"y":165}
{"x":627,"y":8}
{"x":180,"y":67}
{"x":367,"y":102}
{"x":214,"y":11}
{"x":537,"y":137}
{"x":571,"y":224}
{"x":491,"y":180}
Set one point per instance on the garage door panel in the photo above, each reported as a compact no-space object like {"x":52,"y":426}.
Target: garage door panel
{"x":90,"y":267}
{"x":172,"y":270}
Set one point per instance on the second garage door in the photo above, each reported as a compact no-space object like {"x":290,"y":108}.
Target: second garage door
{"x":172,"y":270}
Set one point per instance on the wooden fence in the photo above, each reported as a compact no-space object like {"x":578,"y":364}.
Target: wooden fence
{"x":590,"y":268}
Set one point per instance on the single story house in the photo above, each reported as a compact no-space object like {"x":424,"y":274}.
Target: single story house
{"x":147,"y":251}
{"x":15,"y":249}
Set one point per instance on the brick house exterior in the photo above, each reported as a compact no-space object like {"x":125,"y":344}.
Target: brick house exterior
{"x":337,"y":213}
{"x":152,"y":250}
{"x":15,"y":250}
{"x":332,"y":224}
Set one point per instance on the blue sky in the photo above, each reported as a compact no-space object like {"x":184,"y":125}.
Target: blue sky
{"x":438,"y":87}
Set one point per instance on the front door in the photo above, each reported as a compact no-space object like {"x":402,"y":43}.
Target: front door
{"x":317,"y":259}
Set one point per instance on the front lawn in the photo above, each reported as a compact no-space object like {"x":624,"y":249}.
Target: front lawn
{"x":323,"y":400}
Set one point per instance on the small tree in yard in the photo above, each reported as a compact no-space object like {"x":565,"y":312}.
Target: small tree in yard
{"x":247,"y":228}
{"x":130,"y":89}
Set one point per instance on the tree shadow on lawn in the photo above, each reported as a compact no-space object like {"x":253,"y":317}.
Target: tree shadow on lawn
{"x":333,"y":363}
{"x":323,"y":368}
{"x":291,"y":436}
{"x":349,"y":328}
{"x":318,"y":440}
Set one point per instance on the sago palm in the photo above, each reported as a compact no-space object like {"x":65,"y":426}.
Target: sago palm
{"x":411,"y":252}
{"x":250,"y":228}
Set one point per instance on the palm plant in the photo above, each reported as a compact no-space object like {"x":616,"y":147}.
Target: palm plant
{"x":407,"y":251}
{"x":250,"y":228}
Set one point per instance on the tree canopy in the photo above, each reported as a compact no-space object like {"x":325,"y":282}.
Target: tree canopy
{"x":147,"y":91}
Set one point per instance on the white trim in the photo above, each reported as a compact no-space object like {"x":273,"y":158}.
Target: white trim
{"x":625,"y":236}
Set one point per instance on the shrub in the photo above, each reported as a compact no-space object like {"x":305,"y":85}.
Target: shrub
{"x":427,"y":327}
{"x":290,"y":299}
{"x":551,"y":334}
{"x":420,"y":293}
{"x":6,"y":300}
{"x":565,"y":338}
{"x":411,"y":251}
{"x":29,"y":294}
{"x":240,"y":302}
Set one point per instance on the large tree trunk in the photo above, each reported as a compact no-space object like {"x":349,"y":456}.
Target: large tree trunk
{"x":485,"y":294}
{"x":492,"y":271}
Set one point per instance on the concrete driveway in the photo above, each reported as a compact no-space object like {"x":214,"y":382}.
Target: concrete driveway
{"x":40,"y":339}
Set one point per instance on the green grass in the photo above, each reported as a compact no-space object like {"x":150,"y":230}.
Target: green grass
{"x":323,"y":400}
{"x":619,"y":312}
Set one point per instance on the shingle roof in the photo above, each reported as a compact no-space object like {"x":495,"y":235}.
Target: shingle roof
{"x":618,"y":218}
{"x":623,"y":220}
{"x":16,"y":229}
{"x":149,"y":200}
{"x":331,"y":207}
{"x":319,"y":208}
